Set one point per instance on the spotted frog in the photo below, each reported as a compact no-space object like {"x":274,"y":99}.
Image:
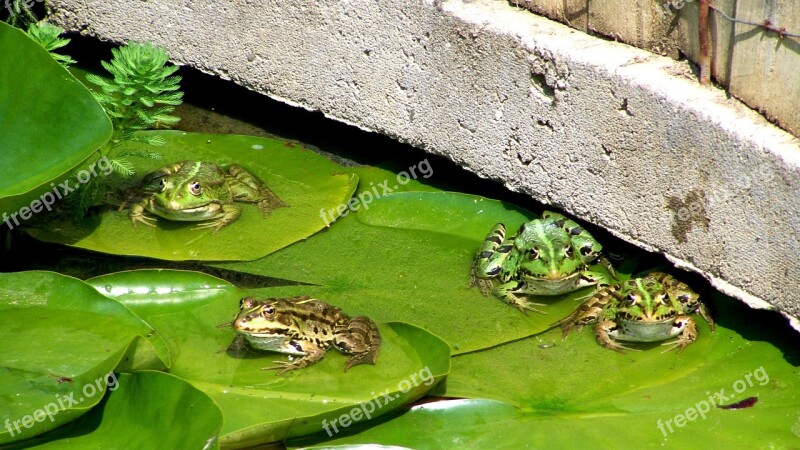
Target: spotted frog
{"x":196,"y":191}
{"x":547,"y":256}
{"x":305,"y":327}
{"x":652,"y":308}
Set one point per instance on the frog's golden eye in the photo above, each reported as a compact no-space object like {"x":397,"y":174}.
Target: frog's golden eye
{"x":163,"y":184}
{"x":194,"y":188}
{"x":630,"y":299}
{"x":568,"y":252}
{"x":268,"y":311}
{"x":665,"y":299}
{"x":534,"y":254}
{"x":586,"y":250}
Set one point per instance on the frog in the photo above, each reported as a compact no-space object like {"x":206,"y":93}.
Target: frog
{"x":650,"y":308}
{"x":305,"y":327}
{"x":547,"y":256}
{"x":199,"y":191}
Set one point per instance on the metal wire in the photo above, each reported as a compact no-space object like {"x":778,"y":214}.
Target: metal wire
{"x":766,"y":24}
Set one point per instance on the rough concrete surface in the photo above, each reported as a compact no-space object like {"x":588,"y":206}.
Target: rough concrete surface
{"x":612,"y":134}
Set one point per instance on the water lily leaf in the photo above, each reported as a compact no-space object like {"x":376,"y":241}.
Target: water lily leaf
{"x":60,"y":340}
{"x":406,"y":261}
{"x":259,"y":406}
{"x":472,"y":423}
{"x":49,"y":123}
{"x":575,"y":391}
{"x":149,"y":292}
{"x":146,"y":410}
{"x":302,"y":179}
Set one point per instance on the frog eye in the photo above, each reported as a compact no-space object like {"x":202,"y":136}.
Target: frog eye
{"x":268,"y":311}
{"x":665,"y":299}
{"x":630,"y":299}
{"x":586,"y":250}
{"x":163,"y":184}
{"x":568,"y":252}
{"x":194,"y":188}
{"x":534,"y":254}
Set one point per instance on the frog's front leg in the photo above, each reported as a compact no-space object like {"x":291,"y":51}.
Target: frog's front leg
{"x":604,"y":332}
{"x":686,"y":329}
{"x":137,"y":215}
{"x":489,"y":260}
{"x":361,"y":339}
{"x":507,"y":292}
{"x":228,"y":214}
{"x":313,"y":354}
{"x":249,"y":188}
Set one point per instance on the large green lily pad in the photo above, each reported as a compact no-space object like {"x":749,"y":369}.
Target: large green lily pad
{"x":49,"y":123}
{"x":576,"y":385}
{"x":259,"y":406}
{"x":145,"y":410}
{"x":408,"y":258}
{"x":304,"y":180}
{"x":548,"y":393}
{"x":60,"y":340}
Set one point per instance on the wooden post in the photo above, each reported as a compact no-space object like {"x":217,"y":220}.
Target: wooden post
{"x":705,"y":57}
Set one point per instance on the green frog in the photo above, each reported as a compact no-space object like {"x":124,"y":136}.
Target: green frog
{"x":652,"y":308}
{"x":196,"y":191}
{"x":303,"y":326}
{"x":547,"y":256}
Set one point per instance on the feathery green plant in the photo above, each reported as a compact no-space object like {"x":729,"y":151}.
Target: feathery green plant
{"x":48,"y":36}
{"x":20,"y":13}
{"x":140,"y":95}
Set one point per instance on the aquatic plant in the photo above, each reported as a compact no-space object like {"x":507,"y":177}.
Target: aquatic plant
{"x":49,"y":37}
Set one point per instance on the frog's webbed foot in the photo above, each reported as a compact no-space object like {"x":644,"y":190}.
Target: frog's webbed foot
{"x":249,"y":188}
{"x":484,"y":284}
{"x":230,"y":214}
{"x":507,"y":292}
{"x":270,"y":203}
{"x":137,"y":215}
{"x":602,"y":330}
{"x":361,"y":339}
{"x":314,"y":355}
{"x":688,"y":334}
{"x":489,"y":260}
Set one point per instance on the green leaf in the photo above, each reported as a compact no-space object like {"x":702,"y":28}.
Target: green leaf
{"x":59,"y":341}
{"x":599,"y":395}
{"x":408,"y":258}
{"x":49,"y":122}
{"x":145,"y":410}
{"x":259,"y":406}
{"x":302,"y":179}
{"x":492,"y":424}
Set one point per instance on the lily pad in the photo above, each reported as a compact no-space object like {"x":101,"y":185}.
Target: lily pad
{"x":302,"y":179}
{"x":406,"y":260}
{"x":472,"y":423}
{"x":257,"y":405}
{"x":575,"y":391}
{"x":146,"y":410}
{"x":60,"y":341}
{"x":49,"y":123}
